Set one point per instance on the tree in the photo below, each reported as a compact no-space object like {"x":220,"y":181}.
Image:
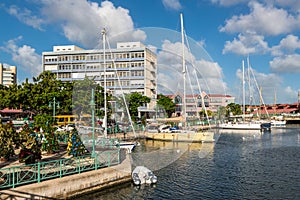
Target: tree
{"x":136,"y":100}
{"x":167,"y":104}
{"x":9,"y":139}
{"x":82,"y":96}
{"x":234,"y":109}
{"x":75,"y":146}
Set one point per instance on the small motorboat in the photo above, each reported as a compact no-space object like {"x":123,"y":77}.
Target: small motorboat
{"x":142,"y":175}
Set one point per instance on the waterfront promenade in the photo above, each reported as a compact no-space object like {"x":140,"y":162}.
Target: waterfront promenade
{"x":71,"y":186}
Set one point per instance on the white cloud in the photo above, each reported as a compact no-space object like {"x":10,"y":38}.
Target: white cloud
{"x":208,"y":73}
{"x":286,"y":64}
{"x":25,"y":57}
{"x":228,"y":2}
{"x":289,"y":94}
{"x":82,"y":20}
{"x":292,"y":4}
{"x":26,"y":17}
{"x":248,"y":43}
{"x":266,"y":83}
{"x":286,"y":46}
{"x":262,"y":19}
{"x":172,"y":4}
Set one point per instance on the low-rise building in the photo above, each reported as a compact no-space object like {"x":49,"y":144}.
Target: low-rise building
{"x":198,"y":102}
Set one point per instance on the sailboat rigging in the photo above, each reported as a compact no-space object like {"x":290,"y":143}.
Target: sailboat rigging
{"x":184,"y":134}
{"x":245,"y":124}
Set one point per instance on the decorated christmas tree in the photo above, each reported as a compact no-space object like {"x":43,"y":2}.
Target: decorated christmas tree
{"x":75,"y":145}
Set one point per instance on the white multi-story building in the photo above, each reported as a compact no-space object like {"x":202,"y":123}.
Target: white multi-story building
{"x":131,"y":67}
{"x":8,"y":75}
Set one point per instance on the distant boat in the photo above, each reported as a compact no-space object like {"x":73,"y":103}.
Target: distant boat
{"x":278,"y":124}
{"x":142,"y":175}
{"x":245,"y":124}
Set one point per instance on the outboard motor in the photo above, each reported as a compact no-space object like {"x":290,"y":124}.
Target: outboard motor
{"x":136,"y":179}
{"x":152,"y":177}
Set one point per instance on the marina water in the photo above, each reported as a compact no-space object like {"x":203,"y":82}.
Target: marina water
{"x":239,"y":165}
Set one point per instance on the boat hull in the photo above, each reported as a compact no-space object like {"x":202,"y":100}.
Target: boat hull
{"x":241,"y":126}
{"x":206,"y":136}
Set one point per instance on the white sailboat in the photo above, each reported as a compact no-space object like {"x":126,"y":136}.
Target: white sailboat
{"x":184,"y":134}
{"x":240,"y":122}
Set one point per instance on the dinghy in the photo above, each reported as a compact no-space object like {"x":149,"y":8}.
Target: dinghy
{"x":142,"y":175}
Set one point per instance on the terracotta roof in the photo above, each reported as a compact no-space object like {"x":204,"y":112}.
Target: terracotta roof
{"x":275,"y":111}
{"x":7,"y":110}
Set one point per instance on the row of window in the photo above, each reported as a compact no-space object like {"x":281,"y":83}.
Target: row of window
{"x":95,"y":57}
{"x":206,"y":100}
{"x":64,"y":75}
{"x":121,"y":83}
{"x":98,"y":66}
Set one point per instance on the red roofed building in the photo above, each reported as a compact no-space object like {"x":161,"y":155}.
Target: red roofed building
{"x":277,"y":109}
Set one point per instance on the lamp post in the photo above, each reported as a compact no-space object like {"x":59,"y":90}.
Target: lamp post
{"x":53,"y":104}
{"x":93,"y":122}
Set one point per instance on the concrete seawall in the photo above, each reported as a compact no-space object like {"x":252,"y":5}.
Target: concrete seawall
{"x":74,"y":185}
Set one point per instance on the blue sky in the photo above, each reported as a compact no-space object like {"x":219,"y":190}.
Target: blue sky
{"x":224,"y":32}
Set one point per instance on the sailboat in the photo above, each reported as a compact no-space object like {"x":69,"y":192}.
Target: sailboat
{"x":127,"y":145}
{"x":245,"y":124}
{"x":184,"y":134}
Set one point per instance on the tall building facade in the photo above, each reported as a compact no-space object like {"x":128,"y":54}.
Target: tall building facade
{"x":8,"y":75}
{"x":130,"y":67}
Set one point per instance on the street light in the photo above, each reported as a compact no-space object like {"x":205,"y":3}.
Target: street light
{"x":93,"y":122}
{"x":54,"y":104}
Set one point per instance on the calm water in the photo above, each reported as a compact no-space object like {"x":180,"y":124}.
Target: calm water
{"x":238,"y":166}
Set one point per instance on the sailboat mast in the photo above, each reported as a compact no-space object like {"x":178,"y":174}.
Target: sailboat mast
{"x":244,"y":101}
{"x":104,"y":68}
{"x":183,"y":72}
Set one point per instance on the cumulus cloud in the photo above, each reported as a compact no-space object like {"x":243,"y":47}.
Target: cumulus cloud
{"x":248,"y":43}
{"x":25,"y":57}
{"x":255,"y":82}
{"x":289,"y":93}
{"x":82,"y":21}
{"x":292,"y":4}
{"x":172,"y":4}
{"x":261,"y":20}
{"x":228,"y":2}
{"x":286,"y":64}
{"x":199,"y":72}
{"x":286,"y":46}
{"x":26,"y":16}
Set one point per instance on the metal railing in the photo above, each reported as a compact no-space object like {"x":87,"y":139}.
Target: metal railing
{"x":35,"y":173}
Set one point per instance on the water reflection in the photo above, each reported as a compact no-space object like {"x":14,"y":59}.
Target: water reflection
{"x":156,"y":155}
{"x":238,"y":166}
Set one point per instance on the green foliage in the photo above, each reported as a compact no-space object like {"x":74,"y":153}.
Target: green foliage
{"x":36,"y":96}
{"x":136,"y":100}
{"x":82,"y":96}
{"x":233,"y":108}
{"x":167,"y":104}
{"x":43,"y":121}
{"x":31,"y":145}
{"x":9,"y":139}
